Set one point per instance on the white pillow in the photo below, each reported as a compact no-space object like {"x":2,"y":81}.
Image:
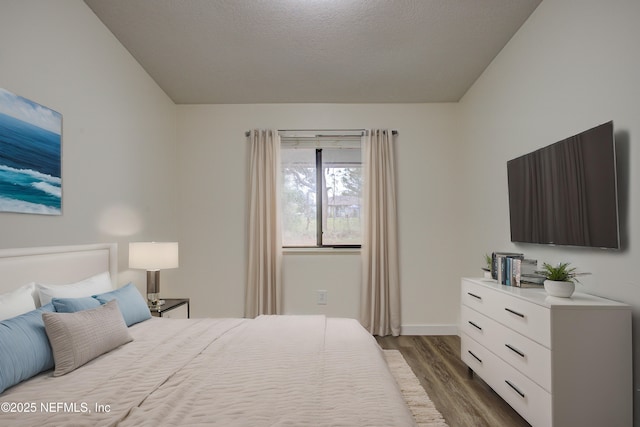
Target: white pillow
{"x":17,"y":302}
{"x":98,"y":284}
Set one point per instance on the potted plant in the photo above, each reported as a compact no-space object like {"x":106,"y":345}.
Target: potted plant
{"x":487,"y":266}
{"x":560,"y":279}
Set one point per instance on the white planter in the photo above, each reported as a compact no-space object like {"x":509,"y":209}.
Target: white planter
{"x":559,"y":289}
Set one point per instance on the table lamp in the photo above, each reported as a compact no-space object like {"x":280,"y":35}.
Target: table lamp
{"x":153,"y":257}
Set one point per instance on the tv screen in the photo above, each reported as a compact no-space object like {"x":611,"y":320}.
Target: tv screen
{"x":566,"y":193}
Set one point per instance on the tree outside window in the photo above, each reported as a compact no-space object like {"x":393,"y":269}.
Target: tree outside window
{"x":322,"y":194}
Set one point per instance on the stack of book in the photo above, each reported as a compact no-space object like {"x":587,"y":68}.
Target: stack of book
{"x":513,"y":269}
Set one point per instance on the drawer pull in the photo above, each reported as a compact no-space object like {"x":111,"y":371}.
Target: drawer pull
{"x":474,"y":325}
{"x":515,"y":350}
{"x":515,"y":312}
{"x":517,"y":390}
{"x":475,"y":296}
{"x":474,"y":356}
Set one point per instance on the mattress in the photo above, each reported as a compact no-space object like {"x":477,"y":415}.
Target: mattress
{"x":268,"y":371}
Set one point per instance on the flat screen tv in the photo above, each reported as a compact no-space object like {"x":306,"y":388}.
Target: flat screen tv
{"x":566,"y":193}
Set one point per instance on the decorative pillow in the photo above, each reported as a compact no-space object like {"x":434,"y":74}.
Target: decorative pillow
{"x":71,"y":305}
{"x":24,"y":347}
{"x":133,"y":306}
{"x":84,"y":288}
{"x":17,"y":302}
{"x":78,"y":338}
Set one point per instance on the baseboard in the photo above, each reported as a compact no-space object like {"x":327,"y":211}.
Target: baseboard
{"x":429,"y":330}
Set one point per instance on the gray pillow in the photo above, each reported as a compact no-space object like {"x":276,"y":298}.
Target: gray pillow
{"x":77,"y":338}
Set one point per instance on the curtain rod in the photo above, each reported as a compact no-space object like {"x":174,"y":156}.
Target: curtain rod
{"x":393,"y":132}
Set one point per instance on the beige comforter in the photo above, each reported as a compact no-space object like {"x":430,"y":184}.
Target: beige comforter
{"x":270,"y":371}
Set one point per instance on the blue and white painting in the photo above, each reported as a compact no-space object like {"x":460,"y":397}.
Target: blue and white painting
{"x":30,"y":156}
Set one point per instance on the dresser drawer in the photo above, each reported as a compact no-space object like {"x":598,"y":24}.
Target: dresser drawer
{"x":529,"y":399}
{"x":527,"y":356}
{"x":474,"y":355}
{"x":477,"y":297}
{"x":529,"y":319}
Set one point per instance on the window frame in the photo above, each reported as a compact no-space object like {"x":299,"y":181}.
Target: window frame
{"x":319,"y":174}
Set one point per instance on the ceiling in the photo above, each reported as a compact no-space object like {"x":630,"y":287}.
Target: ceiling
{"x":313,"y":51}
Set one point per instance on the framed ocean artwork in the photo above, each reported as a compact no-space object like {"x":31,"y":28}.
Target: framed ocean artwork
{"x":30,"y":156}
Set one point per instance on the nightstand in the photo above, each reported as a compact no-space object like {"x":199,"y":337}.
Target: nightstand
{"x":175,"y":308}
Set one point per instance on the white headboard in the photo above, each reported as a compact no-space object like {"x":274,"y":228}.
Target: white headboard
{"x":56,"y":264}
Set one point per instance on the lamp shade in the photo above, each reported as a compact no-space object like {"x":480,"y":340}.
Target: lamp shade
{"x":152,"y":256}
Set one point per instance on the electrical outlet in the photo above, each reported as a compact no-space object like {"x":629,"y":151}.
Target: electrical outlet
{"x":321,"y":297}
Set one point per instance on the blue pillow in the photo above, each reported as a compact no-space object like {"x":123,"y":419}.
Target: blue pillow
{"x":25,"y":350}
{"x":71,"y":305}
{"x":132,"y":305}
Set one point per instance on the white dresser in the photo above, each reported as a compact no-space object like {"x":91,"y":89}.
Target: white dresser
{"x":557,"y":361}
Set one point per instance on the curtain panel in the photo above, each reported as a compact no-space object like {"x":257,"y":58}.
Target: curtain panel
{"x":264,"y":281}
{"x":380,"y":293}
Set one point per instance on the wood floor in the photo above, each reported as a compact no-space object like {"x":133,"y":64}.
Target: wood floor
{"x":463,"y":401}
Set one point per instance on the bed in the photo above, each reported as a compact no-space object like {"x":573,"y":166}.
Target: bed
{"x":268,"y":371}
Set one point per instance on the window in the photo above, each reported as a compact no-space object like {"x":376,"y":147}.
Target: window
{"x":322,"y":192}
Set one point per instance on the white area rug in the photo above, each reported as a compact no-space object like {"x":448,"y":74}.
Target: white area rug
{"x":423,"y":409}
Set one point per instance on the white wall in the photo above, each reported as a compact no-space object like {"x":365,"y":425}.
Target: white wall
{"x":573,"y":65}
{"x":118,"y":137}
{"x":213,"y":170}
